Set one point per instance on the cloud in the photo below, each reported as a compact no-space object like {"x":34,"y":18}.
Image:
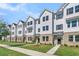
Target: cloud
{"x":18,"y":9}
{"x":11,"y":8}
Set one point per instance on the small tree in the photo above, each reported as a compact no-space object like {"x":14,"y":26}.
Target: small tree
{"x":3,"y":29}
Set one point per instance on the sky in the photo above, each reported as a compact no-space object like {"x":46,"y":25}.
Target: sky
{"x":13,"y":12}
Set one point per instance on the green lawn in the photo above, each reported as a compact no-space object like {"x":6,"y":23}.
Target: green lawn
{"x":12,"y":43}
{"x":40,"y":48}
{"x":7,"y":52}
{"x":67,"y":51}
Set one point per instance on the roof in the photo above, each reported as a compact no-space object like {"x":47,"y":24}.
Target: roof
{"x":21,"y":21}
{"x":30,"y":17}
{"x":62,"y":6}
{"x":44,"y":11}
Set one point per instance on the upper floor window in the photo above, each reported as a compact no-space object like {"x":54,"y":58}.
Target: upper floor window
{"x":43,"y":19}
{"x":12,"y":27}
{"x":43,"y":28}
{"x":38,"y":29}
{"x":77,"y":8}
{"x":74,"y":23}
{"x":69,"y":10}
{"x":59,"y":27}
{"x":70,"y":37}
{"x":38,"y":21}
{"x":59,"y":15}
{"x":12,"y":33}
{"x":30,"y":29}
{"x":47,"y":27}
{"x":19,"y":32}
{"x":47,"y":17}
{"x":19,"y":26}
{"x":30,"y":22}
{"x":68,"y":24}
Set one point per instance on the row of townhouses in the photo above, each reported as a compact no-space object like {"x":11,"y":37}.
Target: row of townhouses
{"x":61,"y":27}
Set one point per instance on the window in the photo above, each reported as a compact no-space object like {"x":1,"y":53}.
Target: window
{"x":74,"y":23}
{"x":29,"y":38}
{"x":59,"y":15}
{"x":68,"y":24}
{"x":77,"y":8}
{"x":47,"y":38}
{"x":59,"y":27}
{"x":47,"y":17}
{"x":43,"y":38}
{"x":70,"y":11}
{"x":76,"y":38}
{"x":29,"y":30}
{"x":12,"y":27}
{"x":70,"y":37}
{"x":43,"y":28}
{"x":12,"y":33}
{"x":30,"y":22}
{"x":19,"y":26}
{"x":38,"y":29}
{"x":43,"y":19}
{"x":19,"y":32}
{"x":47,"y":27}
{"x":38,"y":21}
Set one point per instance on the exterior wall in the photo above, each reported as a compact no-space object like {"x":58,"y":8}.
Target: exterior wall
{"x":13,"y":36}
{"x":73,"y":29}
{"x":50,"y":40}
{"x":31,"y":34}
{"x":66,"y":39}
{"x":49,"y":23}
{"x":30,"y":41}
{"x":20,"y":36}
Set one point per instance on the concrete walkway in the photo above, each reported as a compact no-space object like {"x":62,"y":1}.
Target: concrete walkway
{"x":25,"y":51}
{"x":53,"y":50}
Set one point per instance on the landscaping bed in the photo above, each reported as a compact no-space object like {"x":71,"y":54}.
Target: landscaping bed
{"x":40,"y":47}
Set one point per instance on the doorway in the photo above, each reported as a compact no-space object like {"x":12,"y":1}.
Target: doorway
{"x":59,"y":41}
{"x":38,"y":40}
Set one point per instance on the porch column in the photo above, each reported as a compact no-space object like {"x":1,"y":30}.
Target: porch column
{"x":73,"y":38}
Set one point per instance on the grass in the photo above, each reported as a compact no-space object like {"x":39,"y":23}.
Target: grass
{"x":40,"y":48}
{"x":7,"y":52}
{"x":67,"y":51}
{"x":12,"y":43}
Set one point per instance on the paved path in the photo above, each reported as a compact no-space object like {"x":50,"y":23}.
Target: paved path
{"x":53,"y":50}
{"x":25,"y":51}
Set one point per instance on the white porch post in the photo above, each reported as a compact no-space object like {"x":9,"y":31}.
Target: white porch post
{"x":73,"y":38}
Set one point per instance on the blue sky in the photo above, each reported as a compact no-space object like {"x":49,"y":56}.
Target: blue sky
{"x":13,"y":12}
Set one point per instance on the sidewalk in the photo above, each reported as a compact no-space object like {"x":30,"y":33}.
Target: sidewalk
{"x":53,"y":50}
{"x":26,"y":51}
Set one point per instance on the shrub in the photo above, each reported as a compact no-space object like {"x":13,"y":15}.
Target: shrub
{"x":76,"y":46}
{"x":65,"y":45}
{"x":72,"y":46}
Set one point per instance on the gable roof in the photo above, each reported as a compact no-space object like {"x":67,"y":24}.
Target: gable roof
{"x":30,"y":17}
{"x":62,"y":6}
{"x":20,"y":21}
{"x":44,"y":11}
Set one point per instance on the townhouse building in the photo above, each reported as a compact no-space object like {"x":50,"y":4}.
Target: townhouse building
{"x":66,"y":30}
{"x":13,"y":32}
{"x":20,"y":31}
{"x":8,"y":38}
{"x":61,"y":27}
{"x":30,"y":35}
{"x":45,"y":27}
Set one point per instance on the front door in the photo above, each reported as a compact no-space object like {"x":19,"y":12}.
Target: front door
{"x":59,"y":41}
{"x":38,"y":40}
